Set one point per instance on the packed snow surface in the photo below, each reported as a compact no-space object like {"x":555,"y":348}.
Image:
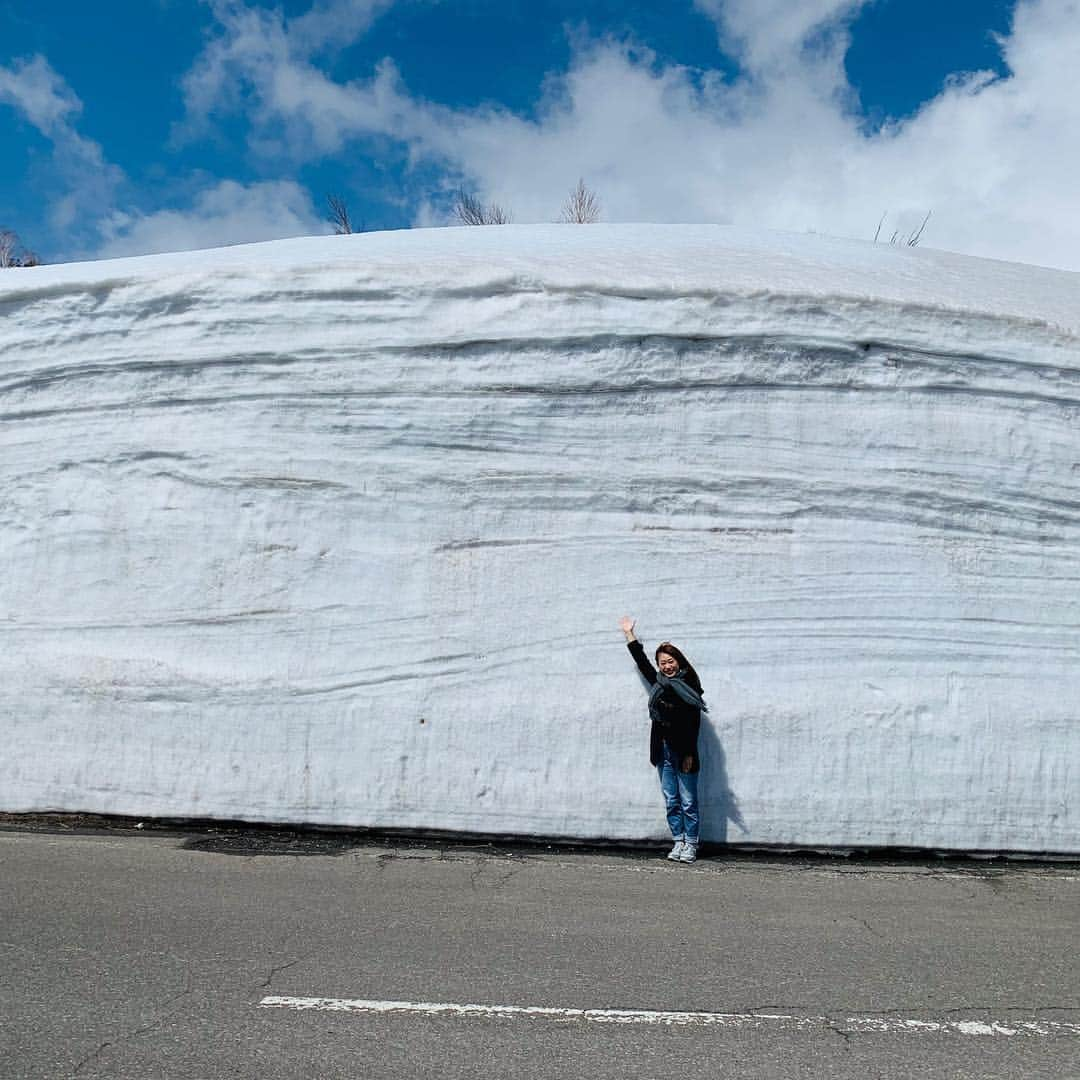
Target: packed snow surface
{"x":338,"y":530}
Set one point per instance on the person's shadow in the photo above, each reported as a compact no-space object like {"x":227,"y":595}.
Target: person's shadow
{"x":715,"y":797}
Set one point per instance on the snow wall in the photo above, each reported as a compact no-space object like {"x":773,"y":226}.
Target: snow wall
{"x":338,"y":530}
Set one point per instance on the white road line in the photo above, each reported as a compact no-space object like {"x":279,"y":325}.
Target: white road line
{"x":789,"y":1021}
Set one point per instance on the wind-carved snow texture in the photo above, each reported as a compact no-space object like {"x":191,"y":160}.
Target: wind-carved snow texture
{"x":339,"y":530}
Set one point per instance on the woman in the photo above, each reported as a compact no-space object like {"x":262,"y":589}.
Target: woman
{"x":675,"y":704}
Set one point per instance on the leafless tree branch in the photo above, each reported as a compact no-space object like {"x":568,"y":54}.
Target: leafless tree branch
{"x":911,"y":240}
{"x":915,"y":237}
{"x":339,"y":215}
{"x":469,"y":210}
{"x":12,"y":251}
{"x":582,"y":207}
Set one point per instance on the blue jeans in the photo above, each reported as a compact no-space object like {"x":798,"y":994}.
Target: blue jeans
{"x":680,"y":795}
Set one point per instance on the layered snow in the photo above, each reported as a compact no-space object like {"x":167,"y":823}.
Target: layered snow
{"x":338,"y":530}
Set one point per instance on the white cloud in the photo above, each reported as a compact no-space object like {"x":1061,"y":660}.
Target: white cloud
{"x":262,"y":63}
{"x":333,"y":24}
{"x":93,"y":219}
{"x":768,"y":35}
{"x":227,"y":213}
{"x":780,"y":147}
{"x":35,"y":90}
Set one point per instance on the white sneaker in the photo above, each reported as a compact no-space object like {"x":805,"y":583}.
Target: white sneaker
{"x":676,"y":853}
{"x":688,"y":853}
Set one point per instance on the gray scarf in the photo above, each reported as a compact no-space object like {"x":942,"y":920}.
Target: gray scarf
{"x":680,"y":686}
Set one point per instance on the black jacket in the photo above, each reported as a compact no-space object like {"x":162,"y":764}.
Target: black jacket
{"x":679,"y":721}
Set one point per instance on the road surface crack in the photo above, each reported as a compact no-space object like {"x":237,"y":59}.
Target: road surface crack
{"x":955,"y":1010}
{"x":865,"y":923}
{"x":833,"y":1026}
{"x":283,"y":967}
{"x":123,"y":1037}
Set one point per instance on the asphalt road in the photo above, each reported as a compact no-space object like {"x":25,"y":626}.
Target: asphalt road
{"x":146,"y":955}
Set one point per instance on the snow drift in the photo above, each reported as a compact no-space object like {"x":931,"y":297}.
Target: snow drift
{"x":338,"y":530}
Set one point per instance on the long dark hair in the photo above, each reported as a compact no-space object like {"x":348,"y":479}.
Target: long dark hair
{"x":689,"y":674}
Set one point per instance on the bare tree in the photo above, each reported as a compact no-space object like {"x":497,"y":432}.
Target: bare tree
{"x":12,"y":251}
{"x":469,"y":210}
{"x":914,"y":238}
{"x":339,"y":215}
{"x":582,"y":207}
{"x":911,"y":240}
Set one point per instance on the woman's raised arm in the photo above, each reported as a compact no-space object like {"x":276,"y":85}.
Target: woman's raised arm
{"x":636,"y":651}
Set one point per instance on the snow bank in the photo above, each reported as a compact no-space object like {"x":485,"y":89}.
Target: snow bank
{"x":338,"y":530}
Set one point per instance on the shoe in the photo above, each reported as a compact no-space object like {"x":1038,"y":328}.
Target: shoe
{"x":688,"y":853}
{"x":675,"y":854}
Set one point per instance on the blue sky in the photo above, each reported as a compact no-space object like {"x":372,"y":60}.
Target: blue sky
{"x":163,"y":124}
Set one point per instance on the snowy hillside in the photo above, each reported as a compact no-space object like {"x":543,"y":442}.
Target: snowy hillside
{"x":339,"y":529}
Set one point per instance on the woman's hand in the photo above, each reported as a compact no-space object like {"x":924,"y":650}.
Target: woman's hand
{"x":627,"y":625}
{"x":687,"y":764}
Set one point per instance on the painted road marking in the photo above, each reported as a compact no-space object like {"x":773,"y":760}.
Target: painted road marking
{"x":848,"y":1024}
